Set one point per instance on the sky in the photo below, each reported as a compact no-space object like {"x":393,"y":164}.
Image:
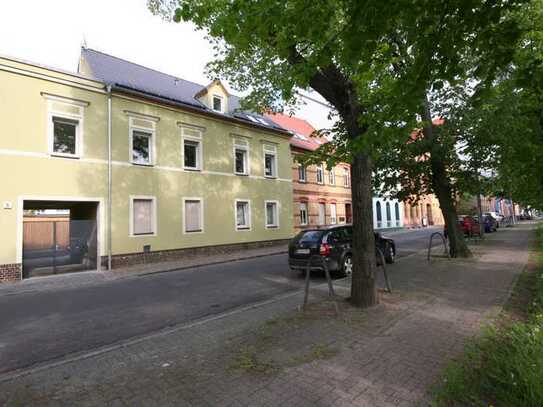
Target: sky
{"x":51,"y":32}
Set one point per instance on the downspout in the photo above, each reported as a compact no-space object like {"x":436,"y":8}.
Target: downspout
{"x":109,"y":178}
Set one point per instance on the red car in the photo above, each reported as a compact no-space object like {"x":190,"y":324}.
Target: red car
{"x":468,"y":224}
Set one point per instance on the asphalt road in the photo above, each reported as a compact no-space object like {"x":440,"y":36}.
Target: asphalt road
{"x":40,"y":326}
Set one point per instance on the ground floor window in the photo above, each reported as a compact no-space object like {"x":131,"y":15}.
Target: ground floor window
{"x":193,"y":216}
{"x":271,"y":214}
{"x":322,"y":213}
{"x":243,"y":215}
{"x":143,"y":216}
{"x":333,"y":214}
{"x":303,"y":213}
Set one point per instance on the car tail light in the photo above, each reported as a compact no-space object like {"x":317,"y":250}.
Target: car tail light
{"x":324,"y":250}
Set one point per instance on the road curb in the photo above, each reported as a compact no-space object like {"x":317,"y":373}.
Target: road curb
{"x":213,"y":263}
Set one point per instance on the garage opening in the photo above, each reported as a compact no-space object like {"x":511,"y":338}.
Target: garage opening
{"x":59,"y":237}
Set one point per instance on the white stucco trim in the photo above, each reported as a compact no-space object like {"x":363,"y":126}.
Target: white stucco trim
{"x":33,"y":154}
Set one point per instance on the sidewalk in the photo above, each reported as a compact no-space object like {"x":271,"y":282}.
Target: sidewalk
{"x":270,"y":354}
{"x":63,"y":281}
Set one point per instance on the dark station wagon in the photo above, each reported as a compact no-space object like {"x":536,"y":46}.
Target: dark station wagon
{"x":332,"y":244}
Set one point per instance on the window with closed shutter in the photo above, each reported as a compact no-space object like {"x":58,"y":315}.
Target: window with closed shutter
{"x":193,"y":216}
{"x":143,"y":216}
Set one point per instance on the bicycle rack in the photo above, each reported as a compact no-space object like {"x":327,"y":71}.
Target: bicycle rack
{"x":328,"y":280}
{"x":445,"y":248}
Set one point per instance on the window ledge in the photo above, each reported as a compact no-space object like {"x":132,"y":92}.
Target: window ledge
{"x":241,"y":174}
{"x":191,"y":169}
{"x":270,"y":176}
{"x":272,"y":227}
{"x":60,"y":155}
{"x":142,"y":164}
{"x":243,"y":229}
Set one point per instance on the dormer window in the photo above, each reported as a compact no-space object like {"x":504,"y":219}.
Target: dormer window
{"x":218,"y":103}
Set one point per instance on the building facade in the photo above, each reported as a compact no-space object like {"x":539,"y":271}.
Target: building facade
{"x":425,"y":212}
{"x":150,"y":167}
{"x":322,"y":196}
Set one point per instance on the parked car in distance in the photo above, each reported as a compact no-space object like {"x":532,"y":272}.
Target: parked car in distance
{"x":332,"y":244}
{"x":468,"y":224}
{"x":496,"y":216}
{"x":491,"y":224}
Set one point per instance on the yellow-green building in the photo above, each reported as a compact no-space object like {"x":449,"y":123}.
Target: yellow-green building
{"x":144,"y":165}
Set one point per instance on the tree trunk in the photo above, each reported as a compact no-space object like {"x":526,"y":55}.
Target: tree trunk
{"x":443,"y":190}
{"x":442,"y":187}
{"x":363,"y":290}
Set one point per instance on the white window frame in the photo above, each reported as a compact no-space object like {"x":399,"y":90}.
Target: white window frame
{"x":304,"y":208}
{"x":323,"y":206}
{"x":320,"y":170}
{"x":150,"y":130}
{"x":346,"y":177}
{"x":195,"y":232}
{"x":332,"y":176}
{"x":270,"y":150}
{"x":154,"y":214}
{"x":276,"y":224}
{"x":242,"y":145}
{"x":248,"y":227}
{"x":302,"y":169}
{"x":221,"y":98}
{"x":200,"y":153}
{"x":78,"y":117}
{"x":333,"y":213}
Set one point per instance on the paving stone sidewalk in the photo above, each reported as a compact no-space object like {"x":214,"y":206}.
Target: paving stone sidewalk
{"x":274,"y":355}
{"x":64,"y":281}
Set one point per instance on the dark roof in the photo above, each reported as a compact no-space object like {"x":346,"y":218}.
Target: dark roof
{"x":123,"y":74}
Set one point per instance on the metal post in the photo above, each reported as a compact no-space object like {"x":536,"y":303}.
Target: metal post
{"x":330,"y":286}
{"x":307,"y":276}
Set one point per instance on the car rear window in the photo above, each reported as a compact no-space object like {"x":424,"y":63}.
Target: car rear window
{"x":310,"y":236}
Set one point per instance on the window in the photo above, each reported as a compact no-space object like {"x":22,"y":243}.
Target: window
{"x":320,"y":174}
{"x":192,"y":149}
{"x":389,"y":218}
{"x":193,"y":216}
{"x":217,"y":103}
{"x":243,"y":215}
{"x":322,"y":213}
{"x":141,"y":147}
{"x":191,"y":152}
{"x":270,"y":161}
{"x":142,"y":140}
{"x":303,"y":213}
{"x":333,"y":214}
{"x":379,"y":215}
{"x":332,"y":177}
{"x":241,"y":157}
{"x":348,"y":213}
{"x":397,"y":213}
{"x":65,"y":138}
{"x":301,"y":173}
{"x":143,"y":216}
{"x":272,"y":220}
{"x":64,"y":126}
{"x":347,"y":177}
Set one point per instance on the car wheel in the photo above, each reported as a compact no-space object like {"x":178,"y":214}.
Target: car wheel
{"x":389,"y":254}
{"x":347,"y":267}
